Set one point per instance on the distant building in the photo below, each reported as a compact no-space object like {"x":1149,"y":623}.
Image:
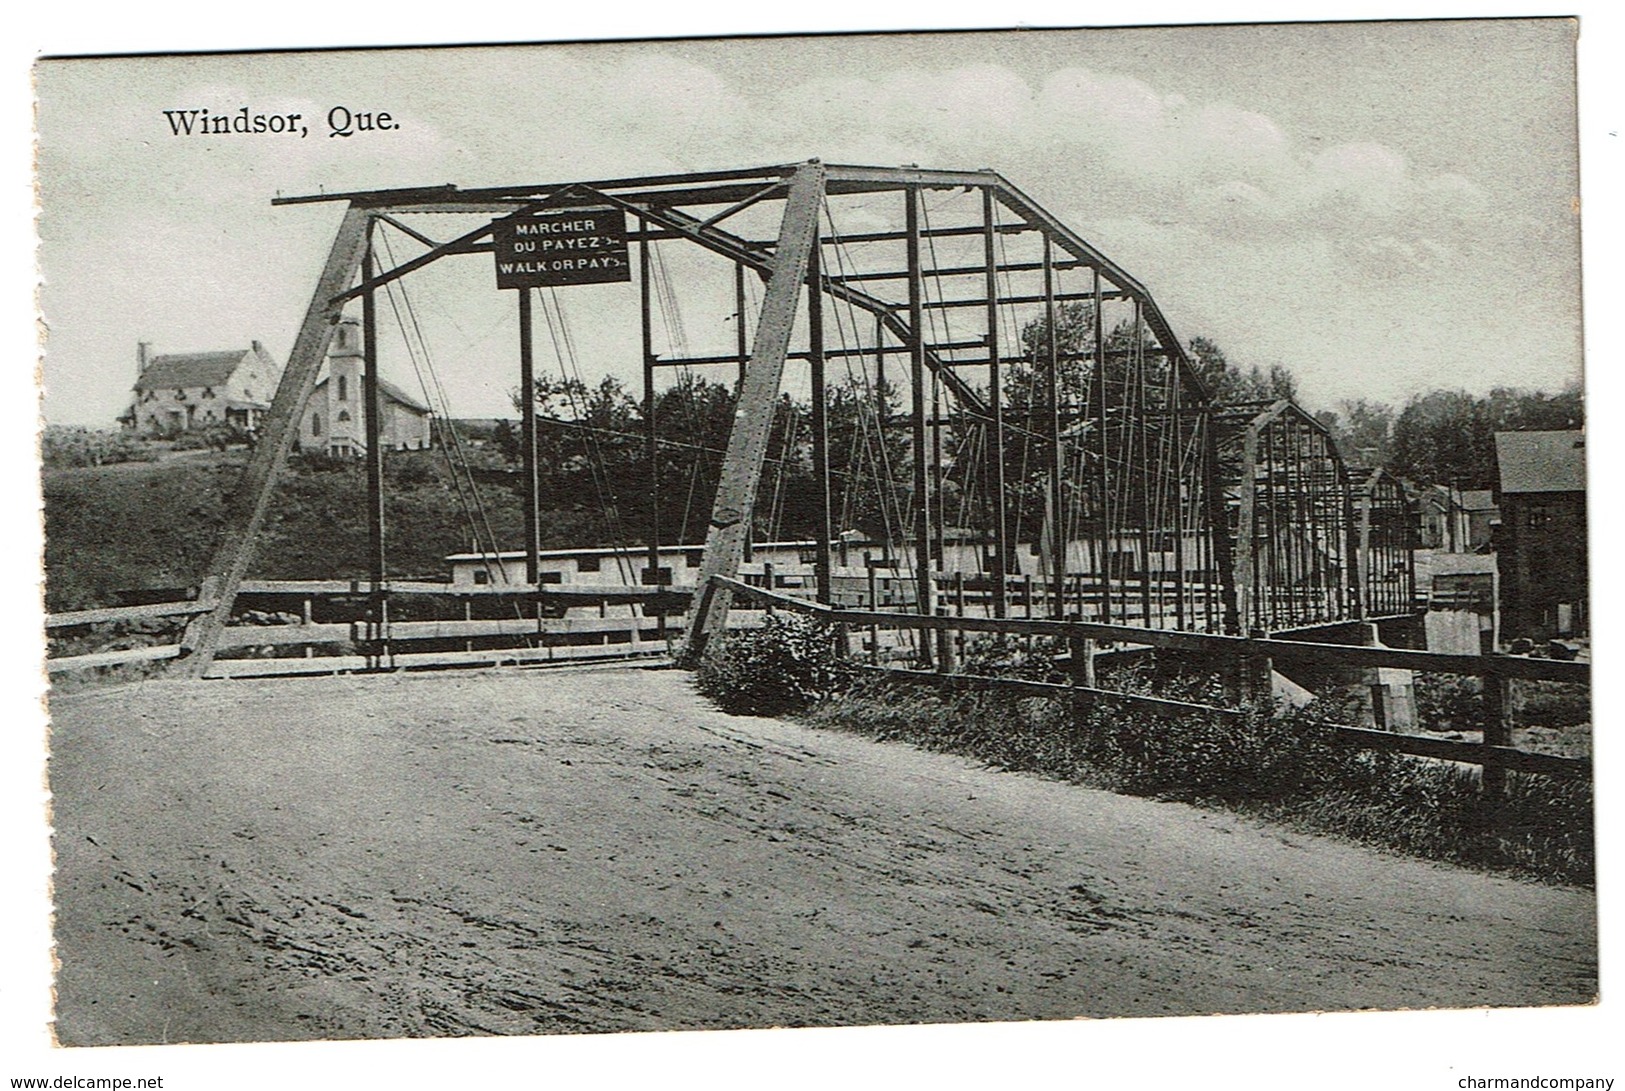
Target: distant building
{"x":1543,"y":533}
{"x":1456,"y":520}
{"x":196,"y":390}
{"x":335,"y":417}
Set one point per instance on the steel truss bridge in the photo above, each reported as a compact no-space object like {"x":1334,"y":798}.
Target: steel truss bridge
{"x":1040,"y":377}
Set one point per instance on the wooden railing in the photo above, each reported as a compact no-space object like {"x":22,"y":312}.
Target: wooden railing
{"x":649,"y":618}
{"x":1251,"y":657}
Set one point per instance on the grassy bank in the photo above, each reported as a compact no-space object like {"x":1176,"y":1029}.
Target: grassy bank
{"x":154,"y":524}
{"x":1285,"y":765}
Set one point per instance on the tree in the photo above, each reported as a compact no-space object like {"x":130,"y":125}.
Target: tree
{"x":1362,"y":430}
{"x":1228,"y":384}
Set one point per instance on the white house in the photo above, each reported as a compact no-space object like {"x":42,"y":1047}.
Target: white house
{"x":187,"y":391}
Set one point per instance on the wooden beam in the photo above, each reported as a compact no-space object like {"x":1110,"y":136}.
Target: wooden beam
{"x":112,"y":659}
{"x":126,"y":613}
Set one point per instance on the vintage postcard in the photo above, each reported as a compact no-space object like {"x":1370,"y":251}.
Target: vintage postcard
{"x":816,"y":531}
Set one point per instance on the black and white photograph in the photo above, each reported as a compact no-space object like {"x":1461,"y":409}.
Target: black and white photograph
{"x":1063,"y":525}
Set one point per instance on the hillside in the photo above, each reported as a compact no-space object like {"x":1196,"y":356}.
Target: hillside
{"x":154,"y":524}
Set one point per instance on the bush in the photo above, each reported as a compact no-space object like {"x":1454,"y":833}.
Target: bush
{"x":215,"y":437}
{"x":410,"y":469}
{"x":65,"y":446}
{"x":785,"y":665}
{"x":1449,"y":702}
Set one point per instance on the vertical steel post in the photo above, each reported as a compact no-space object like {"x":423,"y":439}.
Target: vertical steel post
{"x":822,"y":561}
{"x":1174,"y":409}
{"x":373,"y":410}
{"x":1246,"y":564}
{"x":1103,"y":477}
{"x":1057,"y":496}
{"x":527,"y":444}
{"x":1143,"y":427}
{"x":651,"y":437}
{"x":995,"y":397}
{"x":927,"y":589}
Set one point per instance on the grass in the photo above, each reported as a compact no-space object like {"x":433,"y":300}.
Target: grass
{"x":1282,"y":764}
{"x":155,"y":524}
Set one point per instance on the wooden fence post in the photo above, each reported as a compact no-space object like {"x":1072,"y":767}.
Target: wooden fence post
{"x":1255,"y":679}
{"x":1497,"y":732}
{"x":1082,"y":668}
{"x":959,"y":611}
{"x":874,"y":605}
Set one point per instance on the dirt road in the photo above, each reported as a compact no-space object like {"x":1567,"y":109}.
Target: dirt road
{"x":531,"y":851}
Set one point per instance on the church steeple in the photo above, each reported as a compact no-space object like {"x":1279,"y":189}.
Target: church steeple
{"x":345,"y":404}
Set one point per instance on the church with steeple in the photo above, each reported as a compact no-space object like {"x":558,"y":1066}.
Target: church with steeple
{"x":335,"y":416}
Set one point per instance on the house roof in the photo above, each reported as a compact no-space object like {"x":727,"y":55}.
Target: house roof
{"x":1541,"y":461}
{"x":392,"y":392}
{"x":1463,"y":499}
{"x":179,"y":370}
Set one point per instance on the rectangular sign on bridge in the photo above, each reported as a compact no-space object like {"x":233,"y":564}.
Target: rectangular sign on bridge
{"x":578,"y":246}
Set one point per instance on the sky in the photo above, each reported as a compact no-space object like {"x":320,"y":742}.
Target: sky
{"x":1383,"y":208}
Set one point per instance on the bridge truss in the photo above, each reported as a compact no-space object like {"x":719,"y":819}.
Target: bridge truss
{"x":1053,"y":421}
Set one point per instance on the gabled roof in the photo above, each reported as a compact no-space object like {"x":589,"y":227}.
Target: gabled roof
{"x":390,"y":391}
{"x":191,"y":369}
{"x":1541,"y":461}
{"x":1464,"y":499}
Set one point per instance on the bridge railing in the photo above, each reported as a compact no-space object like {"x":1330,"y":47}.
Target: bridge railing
{"x":1251,"y":658}
{"x":533,"y":627}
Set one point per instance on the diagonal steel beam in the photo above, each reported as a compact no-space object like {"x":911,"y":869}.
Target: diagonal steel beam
{"x":753,"y":418}
{"x":251,"y":500}
{"x":747,"y":253}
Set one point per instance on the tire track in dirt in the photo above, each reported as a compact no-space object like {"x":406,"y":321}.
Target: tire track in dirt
{"x":539,"y":851}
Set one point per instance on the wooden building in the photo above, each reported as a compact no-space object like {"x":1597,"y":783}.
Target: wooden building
{"x":1543,"y":565}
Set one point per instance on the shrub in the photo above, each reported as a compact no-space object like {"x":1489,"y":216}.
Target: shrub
{"x":64,"y":446}
{"x":785,"y":665}
{"x":410,"y":469}
{"x":216,"y":437}
{"x":1449,"y":702}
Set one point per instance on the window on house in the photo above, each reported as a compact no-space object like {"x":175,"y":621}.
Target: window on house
{"x":344,"y":416}
{"x":588,"y":564}
{"x":692,"y":558}
{"x":180,"y":395}
{"x":315,"y":424}
{"x":481,"y":576}
{"x":344,"y":394}
{"x":1538,"y":515}
{"x":550,"y":577}
{"x":208,"y":392}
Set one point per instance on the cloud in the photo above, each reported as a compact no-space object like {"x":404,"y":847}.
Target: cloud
{"x":1245,"y":227}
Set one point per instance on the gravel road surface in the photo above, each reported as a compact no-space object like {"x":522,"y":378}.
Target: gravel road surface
{"x":531,"y":851}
